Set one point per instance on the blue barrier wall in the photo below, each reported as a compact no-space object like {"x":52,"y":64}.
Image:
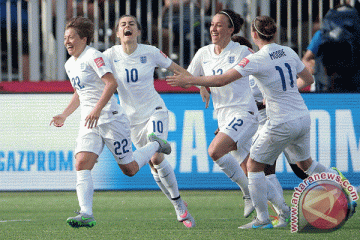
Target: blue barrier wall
{"x":334,"y":139}
{"x":34,"y":156}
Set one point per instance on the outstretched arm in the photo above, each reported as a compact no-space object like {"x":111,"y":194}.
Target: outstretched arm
{"x":182,"y":80}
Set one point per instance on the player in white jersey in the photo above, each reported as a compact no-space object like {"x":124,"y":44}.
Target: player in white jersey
{"x":233,"y":104}
{"x":133,"y":65}
{"x":275,"y":69}
{"x":102,"y":119}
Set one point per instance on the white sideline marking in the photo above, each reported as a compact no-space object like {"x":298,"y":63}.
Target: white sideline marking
{"x":19,"y":220}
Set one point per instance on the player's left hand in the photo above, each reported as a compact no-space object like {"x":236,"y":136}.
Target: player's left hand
{"x":91,"y":120}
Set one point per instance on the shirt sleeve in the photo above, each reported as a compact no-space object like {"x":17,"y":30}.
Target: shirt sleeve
{"x":315,"y":43}
{"x":100,"y":63}
{"x":161,"y":59}
{"x":247,"y":66}
{"x":195,"y":67}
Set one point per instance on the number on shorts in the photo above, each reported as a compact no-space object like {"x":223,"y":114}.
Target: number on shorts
{"x":236,"y":123}
{"x":158,"y":126}
{"x":120,"y":148}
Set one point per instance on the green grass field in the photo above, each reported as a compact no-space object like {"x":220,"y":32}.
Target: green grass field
{"x":141,"y":215}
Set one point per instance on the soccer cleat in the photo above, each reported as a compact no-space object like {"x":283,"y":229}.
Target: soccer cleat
{"x":248,"y":206}
{"x":164,"y":145}
{"x":283,"y":220}
{"x":81,"y":220}
{"x":190,"y":222}
{"x":182,"y":213}
{"x":343,"y":179}
{"x":255,"y":224}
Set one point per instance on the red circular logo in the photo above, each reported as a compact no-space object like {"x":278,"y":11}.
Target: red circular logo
{"x":325,"y":205}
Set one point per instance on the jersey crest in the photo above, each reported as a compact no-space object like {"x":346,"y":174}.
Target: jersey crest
{"x":244,"y":62}
{"x":143,"y":59}
{"x":99,"y":62}
{"x":231,"y":59}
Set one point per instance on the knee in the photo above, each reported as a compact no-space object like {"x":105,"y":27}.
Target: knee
{"x":157,"y":159}
{"x":213,"y":153}
{"x":129,"y":172}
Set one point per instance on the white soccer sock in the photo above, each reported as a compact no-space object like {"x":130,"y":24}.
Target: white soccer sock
{"x":276,"y":198}
{"x":143,"y":155}
{"x":160,"y":184}
{"x":317,"y":167}
{"x":258,"y":189}
{"x":168,"y":178}
{"x":232,"y":169}
{"x":85,"y":191}
{"x":275,"y":181}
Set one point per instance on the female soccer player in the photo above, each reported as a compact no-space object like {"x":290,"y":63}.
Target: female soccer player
{"x":275,"y":69}
{"x":102,"y":119}
{"x":234,"y":104}
{"x":134,"y":65}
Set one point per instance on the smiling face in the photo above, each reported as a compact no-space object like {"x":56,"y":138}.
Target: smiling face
{"x":220,"y":30}
{"x":128,"y":30}
{"x":73,"y":43}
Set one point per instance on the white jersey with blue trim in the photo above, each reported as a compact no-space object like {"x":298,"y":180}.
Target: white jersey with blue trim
{"x":85,"y":74}
{"x":275,"y":68}
{"x":207,"y":63}
{"x":135,"y":76}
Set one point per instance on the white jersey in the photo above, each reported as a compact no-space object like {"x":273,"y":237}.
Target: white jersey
{"x":135,"y":76}
{"x":256,"y":92}
{"x":235,"y":94}
{"x":85,"y":75}
{"x":275,"y":68}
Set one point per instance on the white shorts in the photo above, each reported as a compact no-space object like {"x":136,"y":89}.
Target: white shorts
{"x":292,"y":137}
{"x":158,"y":123}
{"x":240,"y":127}
{"x":116,"y":136}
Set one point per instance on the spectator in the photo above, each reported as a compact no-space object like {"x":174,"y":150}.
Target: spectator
{"x":340,"y":72}
{"x":187,"y":23}
{"x":14,"y":35}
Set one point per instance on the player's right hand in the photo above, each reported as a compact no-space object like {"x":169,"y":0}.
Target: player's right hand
{"x":58,"y":120}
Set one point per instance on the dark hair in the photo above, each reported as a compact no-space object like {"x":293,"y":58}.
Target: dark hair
{"x":265,"y":26}
{"x":235,"y":20}
{"x":83,"y":26}
{"x":137,"y":22}
{"x":242,"y":41}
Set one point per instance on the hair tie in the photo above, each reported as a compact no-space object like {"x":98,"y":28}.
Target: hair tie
{"x":259,"y":31}
{"x":228,"y":17}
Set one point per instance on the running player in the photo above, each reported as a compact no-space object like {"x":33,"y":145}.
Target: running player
{"x":234,"y":105}
{"x":275,"y":69}
{"x":134,"y":65}
{"x":102,"y":119}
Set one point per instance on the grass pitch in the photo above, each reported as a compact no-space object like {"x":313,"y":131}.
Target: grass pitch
{"x":141,"y":215}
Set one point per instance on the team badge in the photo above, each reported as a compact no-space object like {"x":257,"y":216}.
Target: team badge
{"x":143,"y":59}
{"x":82,"y":67}
{"x":231,"y":59}
{"x":99,"y":62}
{"x":244,"y":62}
